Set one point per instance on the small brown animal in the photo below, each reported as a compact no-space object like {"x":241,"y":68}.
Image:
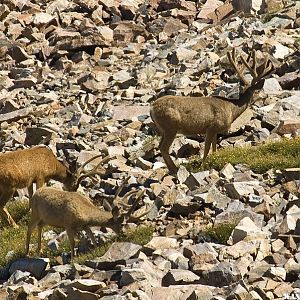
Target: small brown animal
{"x":73,"y":212}
{"x":206,"y":115}
{"x":20,"y":169}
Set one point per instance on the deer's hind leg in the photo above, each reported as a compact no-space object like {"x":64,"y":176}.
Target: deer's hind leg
{"x":165,"y":144}
{"x":210,"y":139}
{"x":33,"y":223}
{"x":5,"y":196}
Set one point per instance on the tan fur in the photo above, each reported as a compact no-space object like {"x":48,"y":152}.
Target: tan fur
{"x":204,"y":115}
{"x":69,"y":210}
{"x":20,"y":169}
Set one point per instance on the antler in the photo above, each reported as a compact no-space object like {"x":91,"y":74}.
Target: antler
{"x":129,"y":215}
{"x":123,"y":202}
{"x":233,"y":61}
{"x":257,"y":72}
{"x":97,"y":170}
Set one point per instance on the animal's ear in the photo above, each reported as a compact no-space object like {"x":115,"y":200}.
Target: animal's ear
{"x":116,"y":212}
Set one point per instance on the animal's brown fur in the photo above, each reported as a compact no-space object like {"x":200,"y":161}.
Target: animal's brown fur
{"x":201,"y":115}
{"x":69,"y":210}
{"x":20,"y":169}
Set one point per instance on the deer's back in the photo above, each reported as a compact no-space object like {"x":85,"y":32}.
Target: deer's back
{"x":190,"y":115}
{"x":23,"y":167}
{"x":64,"y":209}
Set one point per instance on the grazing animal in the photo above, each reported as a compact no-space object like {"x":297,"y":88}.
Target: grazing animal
{"x":73,"y":212}
{"x":209,"y":115}
{"x":21,"y":168}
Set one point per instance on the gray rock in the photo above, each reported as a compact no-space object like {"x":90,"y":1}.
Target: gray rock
{"x":16,"y":115}
{"x":118,"y":253}
{"x":236,"y":190}
{"x":179,"y":277}
{"x":35,"y":266}
{"x":223,"y":274}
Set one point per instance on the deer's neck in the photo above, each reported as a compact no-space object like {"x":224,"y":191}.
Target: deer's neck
{"x":244,"y":102}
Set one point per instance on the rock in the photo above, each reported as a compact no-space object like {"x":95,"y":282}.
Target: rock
{"x":184,"y":207}
{"x":183,"y":292}
{"x":227,"y":171}
{"x":38,"y":135}
{"x":246,"y":230}
{"x":202,"y":262}
{"x":280,"y":51}
{"x":182,"y":54}
{"x":35,"y":266}
{"x":88,"y":285}
{"x":118,"y":253}
{"x":271,"y":86}
{"x":160,"y":242}
{"x":277,"y":245}
{"x":222,"y":274}
{"x":130,"y":112}
{"x":179,"y":277}
{"x":209,"y":7}
{"x":240,"y":249}
{"x":274,"y":5}
{"x":236,"y":190}
{"x":132,"y":275}
{"x":18,"y":54}
{"x":51,"y":279}
{"x":16,"y":115}
{"x":248,"y":6}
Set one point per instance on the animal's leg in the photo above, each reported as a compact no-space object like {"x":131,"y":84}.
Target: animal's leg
{"x":33,"y":223}
{"x":71,"y":235}
{"x":165,"y":144}
{"x":90,"y":234}
{"x":214,"y":143}
{"x":5,"y":196}
{"x":40,"y":228}
{"x":39,"y":183}
{"x":208,"y":141}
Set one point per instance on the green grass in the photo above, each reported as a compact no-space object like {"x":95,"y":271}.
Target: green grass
{"x":12,"y":240}
{"x":273,"y":155}
{"x":220,"y":233}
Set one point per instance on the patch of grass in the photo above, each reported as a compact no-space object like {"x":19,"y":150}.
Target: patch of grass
{"x":276,"y":155}
{"x":12,"y":242}
{"x":141,"y":235}
{"x":19,"y":210}
{"x":220,"y":233}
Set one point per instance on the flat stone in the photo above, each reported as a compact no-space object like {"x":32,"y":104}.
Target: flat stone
{"x":179,"y":277}
{"x":118,"y":253}
{"x":88,"y":285}
{"x":130,"y":112}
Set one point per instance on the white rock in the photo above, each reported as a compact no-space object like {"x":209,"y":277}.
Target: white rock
{"x":271,"y":86}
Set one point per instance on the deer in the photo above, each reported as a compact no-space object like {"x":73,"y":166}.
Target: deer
{"x":209,"y":115}
{"x":74,"y":211}
{"x":21,"y":168}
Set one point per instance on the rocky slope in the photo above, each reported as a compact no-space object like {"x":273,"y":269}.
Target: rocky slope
{"x":79,"y":76}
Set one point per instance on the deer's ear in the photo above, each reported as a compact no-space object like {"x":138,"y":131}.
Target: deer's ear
{"x":115,"y":212}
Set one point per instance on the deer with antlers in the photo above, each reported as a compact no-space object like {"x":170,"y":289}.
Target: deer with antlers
{"x":209,"y":115}
{"x":20,"y":169}
{"x":74,"y":211}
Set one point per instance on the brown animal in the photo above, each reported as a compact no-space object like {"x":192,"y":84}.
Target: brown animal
{"x":206,"y":115}
{"x":73,"y":212}
{"x":20,"y":169}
